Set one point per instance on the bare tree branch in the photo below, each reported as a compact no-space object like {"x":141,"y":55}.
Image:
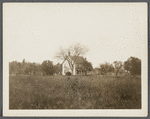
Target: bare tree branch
{"x":75,"y":50}
{"x":61,"y":54}
{"x":117,"y":65}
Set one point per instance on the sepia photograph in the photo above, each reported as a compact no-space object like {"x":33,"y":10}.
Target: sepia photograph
{"x":75,"y":59}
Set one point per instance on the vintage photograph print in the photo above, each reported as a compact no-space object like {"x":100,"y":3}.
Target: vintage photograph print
{"x":75,"y":59}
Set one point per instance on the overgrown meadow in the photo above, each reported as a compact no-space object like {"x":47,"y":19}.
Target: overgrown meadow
{"x":74,"y":92}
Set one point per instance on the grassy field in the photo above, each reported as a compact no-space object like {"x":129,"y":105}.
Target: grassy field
{"x":74,"y":92}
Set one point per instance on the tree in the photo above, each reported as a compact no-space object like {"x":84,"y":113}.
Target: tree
{"x":106,"y":67}
{"x":23,"y":66}
{"x":86,"y":66}
{"x":57,"y":68}
{"x":127,"y":66}
{"x":14,"y":67}
{"x":117,"y":65}
{"x":133,"y":65}
{"x":38,"y":69}
{"x":78,"y":50}
{"x":27,"y":70}
{"x":74,"y":50}
{"x":47,"y":67}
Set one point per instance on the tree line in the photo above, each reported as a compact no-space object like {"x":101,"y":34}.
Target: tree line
{"x":44,"y":69}
{"x":131,"y":66}
{"x":27,"y":68}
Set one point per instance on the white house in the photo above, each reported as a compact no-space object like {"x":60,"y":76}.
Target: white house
{"x":72,"y":64}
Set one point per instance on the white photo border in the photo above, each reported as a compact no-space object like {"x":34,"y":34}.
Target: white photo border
{"x":76,"y":113}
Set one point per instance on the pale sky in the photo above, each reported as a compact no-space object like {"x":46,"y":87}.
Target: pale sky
{"x":113,"y":32}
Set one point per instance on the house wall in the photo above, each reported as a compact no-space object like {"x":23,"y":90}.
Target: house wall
{"x":76,"y":66}
{"x":67,"y":67}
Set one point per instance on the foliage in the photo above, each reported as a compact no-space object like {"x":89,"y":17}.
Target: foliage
{"x":24,"y":68}
{"x":86,"y":66}
{"x":133,"y":65}
{"x":14,"y":67}
{"x":74,"y":50}
{"x":117,"y":66}
{"x":106,"y":67}
{"x":57,"y":68}
{"x":47,"y":67}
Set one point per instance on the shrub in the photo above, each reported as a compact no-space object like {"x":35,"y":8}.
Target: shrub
{"x":68,"y":73}
{"x":133,"y":65}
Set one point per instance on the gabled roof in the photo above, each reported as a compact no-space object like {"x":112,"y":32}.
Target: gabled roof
{"x":76,"y":59}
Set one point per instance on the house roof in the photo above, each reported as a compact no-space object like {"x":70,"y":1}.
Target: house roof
{"x":77,"y":59}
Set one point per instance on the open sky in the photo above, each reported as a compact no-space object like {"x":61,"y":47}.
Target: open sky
{"x":112,"y":31}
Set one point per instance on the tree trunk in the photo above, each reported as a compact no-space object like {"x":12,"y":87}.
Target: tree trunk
{"x":117,"y":72}
{"x":85,"y":73}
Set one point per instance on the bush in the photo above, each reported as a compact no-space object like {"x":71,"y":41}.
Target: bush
{"x":68,"y":73}
{"x":47,"y":67}
{"x":133,"y":65}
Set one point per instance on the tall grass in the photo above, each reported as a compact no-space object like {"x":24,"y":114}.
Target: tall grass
{"x":82,"y":92}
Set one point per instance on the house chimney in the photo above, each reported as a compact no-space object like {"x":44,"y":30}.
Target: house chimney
{"x":68,"y":53}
